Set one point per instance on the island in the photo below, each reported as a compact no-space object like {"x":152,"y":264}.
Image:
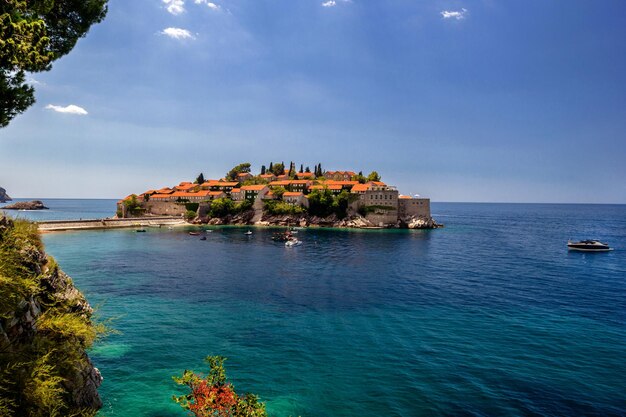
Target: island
{"x":26,"y":205}
{"x":4,"y":197}
{"x":285,"y":197}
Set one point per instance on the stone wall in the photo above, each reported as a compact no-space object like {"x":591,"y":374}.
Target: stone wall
{"x":164,"y":208}
{"x":413,"y":207}
{"x":382,"y":218}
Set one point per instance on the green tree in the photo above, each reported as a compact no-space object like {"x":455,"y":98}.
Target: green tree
{"x":271,"y":168}
{"x":277,"y":168}
{"x":33,"y":34}
{"x":321,"y":202}
{"x":221,"y":207}
{"x":278,"y":192}
{"x":263,"y":170}
{"x":213,"y":396}
{"x":232,"y":174}
{"x":307,"y":169}
{"x":373,"y":176}
{"x":200,"y":178}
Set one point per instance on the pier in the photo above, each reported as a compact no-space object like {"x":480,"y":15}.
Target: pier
{"x":92,"y":224}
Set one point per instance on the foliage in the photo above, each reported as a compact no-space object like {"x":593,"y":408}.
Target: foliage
{"x":190,"y":215}
{"x":263,"y":170}
{"x":373,"y":176}
{"x":255,"y":181}
{"x":33,"y":34}
{"x":323,"y":203}
{"x":36,"y":367}
{"x":276,"y":207}
{"x":200,"y":178}
{"x":360,"y":178}
{"x":221,"y":207}
{"x":192,"y":207}
{"x":277,"y":168}
{"x":213,"y":396}
{"x":279,"y":191}
{"x":232,"y":174}
{"x":133,"y":205}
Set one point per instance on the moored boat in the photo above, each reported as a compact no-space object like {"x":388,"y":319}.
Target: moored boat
{"x":293,"y":242}
{"x":589,"y":245}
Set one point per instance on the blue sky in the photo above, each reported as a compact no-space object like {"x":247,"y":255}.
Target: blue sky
{"x":513,"y":101}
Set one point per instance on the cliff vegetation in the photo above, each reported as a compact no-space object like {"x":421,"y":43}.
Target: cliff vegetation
{"x":45,"y":328}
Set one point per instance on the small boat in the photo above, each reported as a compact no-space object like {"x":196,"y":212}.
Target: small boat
{"x":281,"y":236}
{"x":293,"y":242}
{"x":194,"y":233}
{"x":589,"y":245}
{"x":203,"y":238}
{"x":248,"y":233}
{"x":140,"y":230}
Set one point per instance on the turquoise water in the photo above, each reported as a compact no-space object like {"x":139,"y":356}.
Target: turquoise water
{"x":488,"y":316}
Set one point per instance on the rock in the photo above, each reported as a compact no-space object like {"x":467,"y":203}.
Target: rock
{"x":26,"y":205}
{"x":419,"y":222}
{"x":4,"y":197}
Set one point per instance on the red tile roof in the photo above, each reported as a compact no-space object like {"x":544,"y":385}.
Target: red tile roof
{"x":292,"y":194}
{"x":358,"y":188}
{"x":258,"y":187}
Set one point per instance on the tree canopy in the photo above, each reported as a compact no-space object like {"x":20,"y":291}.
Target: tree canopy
{"x":33,"y":34}
{"x":232,"y":174}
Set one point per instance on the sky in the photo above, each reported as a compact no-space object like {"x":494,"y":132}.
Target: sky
{"x":456,"y":100}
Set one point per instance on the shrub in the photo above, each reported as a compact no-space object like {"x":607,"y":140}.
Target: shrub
{"x":213,"y":396}
{"x":276,"y":207}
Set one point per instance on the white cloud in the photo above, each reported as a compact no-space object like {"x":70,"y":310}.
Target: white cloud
{"x":177,"y":33}
{"x":71,"y":109}
{"x":32,"y":81}
{"x":175,"y":7}
{"x":454,"y":14}
{"x":210,"y":5}
{"x":329,"y":3}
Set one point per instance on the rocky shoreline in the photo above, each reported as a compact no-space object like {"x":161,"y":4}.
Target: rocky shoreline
{"x":24,"y":337}
{"x":26,"y":205}
{"x":303,"y":220}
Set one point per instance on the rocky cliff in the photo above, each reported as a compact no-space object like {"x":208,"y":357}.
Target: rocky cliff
{"x":45,"y":328}
{"x":4,"y":197}
{"x":304,"y":220}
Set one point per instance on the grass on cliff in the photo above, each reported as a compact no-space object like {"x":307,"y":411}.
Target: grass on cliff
{"x":42,"y":356}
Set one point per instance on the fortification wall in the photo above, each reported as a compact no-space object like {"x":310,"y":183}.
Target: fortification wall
{"x":383,"y":219}
{"x":413,"y":207}
{"x":164,"y":208}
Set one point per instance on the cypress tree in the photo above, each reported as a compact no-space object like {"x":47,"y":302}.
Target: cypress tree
{"x":262,"y":169}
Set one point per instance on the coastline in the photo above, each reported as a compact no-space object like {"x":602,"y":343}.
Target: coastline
{"x":111,"y":223}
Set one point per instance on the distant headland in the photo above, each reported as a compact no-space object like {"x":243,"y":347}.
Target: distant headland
{"x":285,"y":196}
{"x":4,"y":197}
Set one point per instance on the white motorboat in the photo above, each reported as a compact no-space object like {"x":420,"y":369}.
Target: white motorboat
{"x":589,"y":245}
{"x":248,"y":233}
{"x":293,"y":242}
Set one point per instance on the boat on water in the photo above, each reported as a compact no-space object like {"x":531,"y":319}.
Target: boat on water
{"x":248,"y":233}
{"x":281,"y":236}
{"x":293,"y":242}
{"x":203,"y":238}
{"x":194,"y":233}
{"x":589,"y":245}
{"x":140,"y":230}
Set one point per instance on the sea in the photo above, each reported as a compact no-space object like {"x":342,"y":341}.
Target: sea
{"x":488,"y":316}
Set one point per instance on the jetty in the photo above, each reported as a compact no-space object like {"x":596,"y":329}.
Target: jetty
{"x":93,"y":224}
